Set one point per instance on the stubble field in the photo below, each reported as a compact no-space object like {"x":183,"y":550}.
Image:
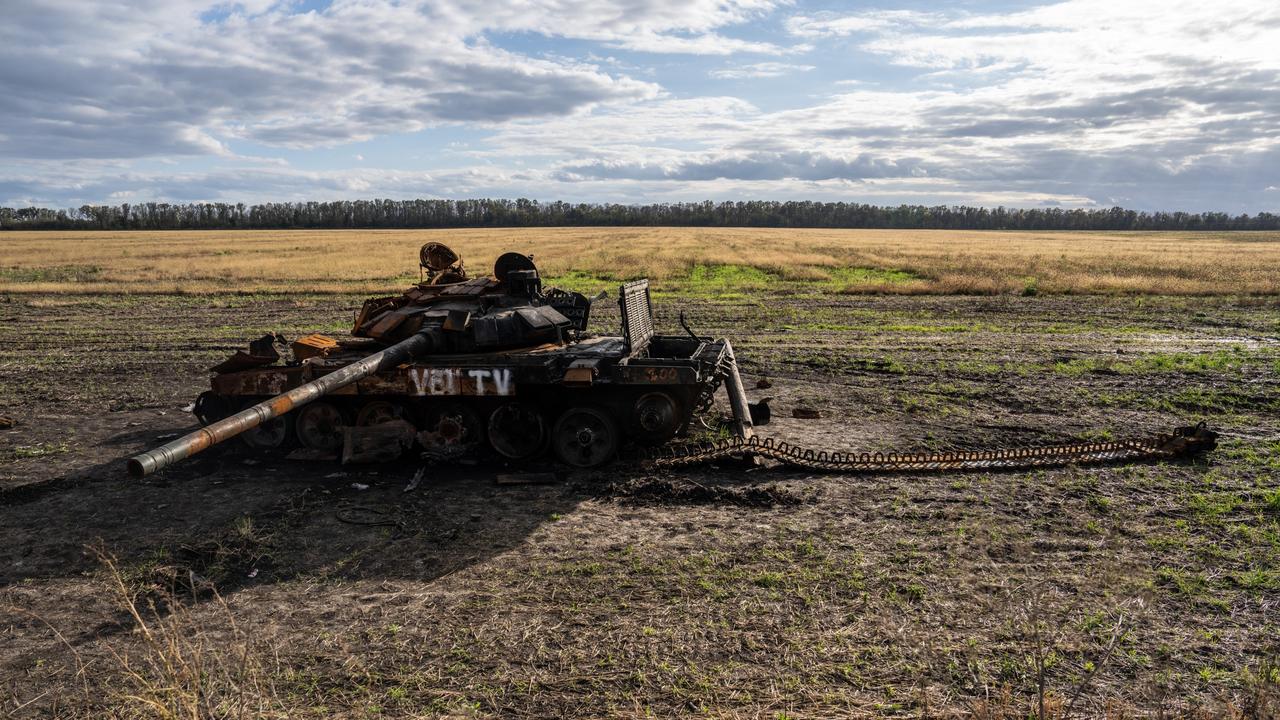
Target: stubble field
{"x":1103,"y":591}
{"x":696,"y":260}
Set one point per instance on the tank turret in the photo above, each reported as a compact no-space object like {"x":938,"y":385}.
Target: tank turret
{"x":464,"y":315}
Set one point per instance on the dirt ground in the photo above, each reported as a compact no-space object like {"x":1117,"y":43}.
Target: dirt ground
{"x":1140,"y":589}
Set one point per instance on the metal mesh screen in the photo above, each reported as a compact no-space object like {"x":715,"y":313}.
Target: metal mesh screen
{"x":637,"y":316}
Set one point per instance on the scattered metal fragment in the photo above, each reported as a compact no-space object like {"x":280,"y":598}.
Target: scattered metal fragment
{"x":261,"y":352}
{"x":384,"y":442}
{"x":760,"y":412}
{"x":312,"y":346}
{"x":416,"y":480}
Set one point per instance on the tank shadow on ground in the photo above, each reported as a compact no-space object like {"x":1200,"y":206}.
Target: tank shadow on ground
{"x":217,"y":519}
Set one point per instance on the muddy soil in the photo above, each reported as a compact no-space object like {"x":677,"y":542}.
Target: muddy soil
{"x":621,"y":591}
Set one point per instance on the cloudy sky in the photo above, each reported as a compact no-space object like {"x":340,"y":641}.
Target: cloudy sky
{"x":1149,"y":104}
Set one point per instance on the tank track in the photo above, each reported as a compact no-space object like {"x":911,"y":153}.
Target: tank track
{"x":1181,"y":443}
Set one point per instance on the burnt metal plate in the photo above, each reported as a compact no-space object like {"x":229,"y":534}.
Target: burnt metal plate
{"x":656,"y":375}
{"x":637,"y":316}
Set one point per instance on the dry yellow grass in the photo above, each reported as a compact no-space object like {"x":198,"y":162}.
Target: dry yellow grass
{"x":893,"y":261}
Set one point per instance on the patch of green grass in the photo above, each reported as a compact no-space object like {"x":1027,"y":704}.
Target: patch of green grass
{"x":769,"y":579}
{"x":914,"y":403}
{"x":910,"y":328}
{"x":848,"y":365}
{"x":1263,"y":455}
{"x":1182,"y":582}
{"x":1271,"y":501}
{"x":1096,"y":435}
{"x":1257,"y":580}
{"x":1213,"y":505}
{"x":1194,"y":399}
{"x":1198,"y":398}
{"x":894,"y":327}
{"x":1166,"y":542}
{"x":1220,"y":361}
{"x":845,"y":276}
{"x":24,"y":452}
{"x":1098,"y":504}
{"x":827,"y":327}
{"x":717,"y":280}
{"x":913,"y":592}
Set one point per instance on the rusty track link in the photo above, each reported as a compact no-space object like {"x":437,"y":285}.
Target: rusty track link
{"x":1182,"y":442}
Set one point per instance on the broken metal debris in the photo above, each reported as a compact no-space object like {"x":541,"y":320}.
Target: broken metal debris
{"x":384,"y":442}
{"x":760,"y":411}
{"x":416,"y":480}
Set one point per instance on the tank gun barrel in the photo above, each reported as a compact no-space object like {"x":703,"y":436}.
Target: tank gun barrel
{"x":184,"y":447}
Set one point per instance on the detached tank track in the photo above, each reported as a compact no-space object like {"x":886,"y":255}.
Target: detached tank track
{"x":1182,"y":442}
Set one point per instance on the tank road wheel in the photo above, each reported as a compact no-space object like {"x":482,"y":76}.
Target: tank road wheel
{"x":269,"y":435}
{"x":378,"y":412}
{"x":451,"y":426}
{"x":584,"y":437}
{"x":211,"y":407}
{"x":319,"y":426}
{"x":517,"y":431}
{"x":655,"y":417}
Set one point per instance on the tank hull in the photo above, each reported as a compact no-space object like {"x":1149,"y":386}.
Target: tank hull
{"x":457,"y":363}
{"x":647,"y":399}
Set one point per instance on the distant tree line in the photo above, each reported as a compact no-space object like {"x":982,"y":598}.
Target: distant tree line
{"x":531,"y":213}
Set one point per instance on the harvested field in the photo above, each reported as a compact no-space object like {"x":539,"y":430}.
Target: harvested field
{"x":699,"y":261}
{"x":1141,"y":589}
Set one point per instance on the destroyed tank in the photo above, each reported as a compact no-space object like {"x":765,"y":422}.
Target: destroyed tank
{"x":462,"y":365}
